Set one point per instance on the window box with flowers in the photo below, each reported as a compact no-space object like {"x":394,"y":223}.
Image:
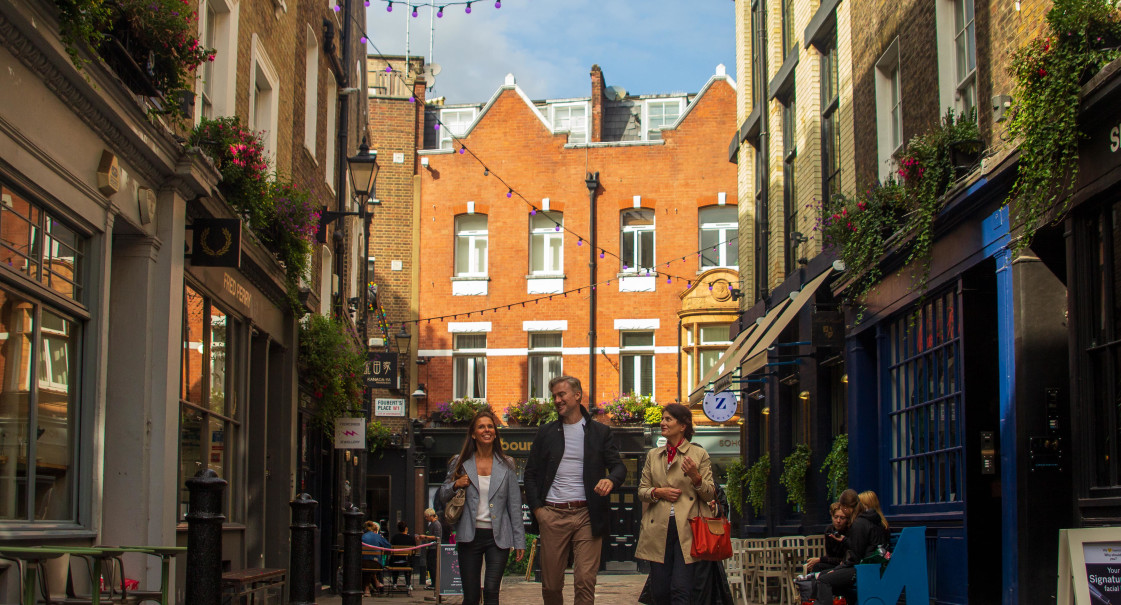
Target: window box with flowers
{"x":901,"y":213}
{"x":458,"y":412}
{"x":632,"y":409}
{"x":152,"y":45}
{"x":280,"y":214}
{"x":532,"y":412}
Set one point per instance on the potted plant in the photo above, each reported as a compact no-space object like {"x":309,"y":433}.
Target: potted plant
{"x":836,"y":466}
{"x":531,"y":412}
{"x":333,"y":366}
{"x":630,"y":409}
{"x":793,"y":477}
{"x":757,"y":476}
{"x":378,"y":437}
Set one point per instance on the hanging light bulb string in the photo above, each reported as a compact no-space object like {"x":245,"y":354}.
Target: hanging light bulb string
{"x":550,"y":297}
{"x":439,"y":6}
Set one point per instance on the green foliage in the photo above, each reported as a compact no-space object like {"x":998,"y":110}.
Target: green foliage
{"x":653,"y":414}
{"x":460,"y":411}
{"x":82,"y":24}
{"x":757,"y":476}
{"x":734,"y":478}
{"x":377,"y":437}
{"x":515,"y":567}
{"x":861,"y":228}
{"x":858,"y":228}
{"x":333,"y":367}
{"x":283,"y":216}
{"x":836,"y":466}
{"x":1082,"y":37}
{"x":793,"y":477}
{"x":631,"y":408}
{"x":532,"y":412}
{"x":162,"y":36}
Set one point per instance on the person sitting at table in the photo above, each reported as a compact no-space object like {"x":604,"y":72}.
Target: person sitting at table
{"x":401,"y":559}
{"x":372,"y":562}
{"x":869,"y":531}
{"x":834,"y":541}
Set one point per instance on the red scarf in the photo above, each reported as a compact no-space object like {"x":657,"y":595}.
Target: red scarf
{"x":672,"y":449}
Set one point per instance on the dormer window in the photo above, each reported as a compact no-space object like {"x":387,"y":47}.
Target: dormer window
{"x":454,"y":123}
{"x":571,"y":117}
{"x":661,"y":113}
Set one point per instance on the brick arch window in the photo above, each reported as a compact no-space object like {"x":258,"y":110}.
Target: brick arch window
{"x":719,"y":228}
{"x":471,"y":245}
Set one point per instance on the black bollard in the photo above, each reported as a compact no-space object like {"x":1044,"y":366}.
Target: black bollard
{"x":301,"y":572}
{"x":204,"y":539}
{"x":352,"y":557}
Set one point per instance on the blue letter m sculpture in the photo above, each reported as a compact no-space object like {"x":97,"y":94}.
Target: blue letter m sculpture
{"x":907,"y":569}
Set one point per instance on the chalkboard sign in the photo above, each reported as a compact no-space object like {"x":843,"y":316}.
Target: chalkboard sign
{"x":448,"y":582}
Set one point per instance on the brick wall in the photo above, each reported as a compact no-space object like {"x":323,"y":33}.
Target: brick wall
{"x":690,"y":169}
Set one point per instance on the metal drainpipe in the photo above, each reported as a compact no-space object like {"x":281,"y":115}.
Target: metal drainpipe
{"x":592,"y":182}
{"x":342,"y":148}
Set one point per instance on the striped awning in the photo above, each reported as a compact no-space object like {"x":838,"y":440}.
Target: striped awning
{"x":748,"y":352}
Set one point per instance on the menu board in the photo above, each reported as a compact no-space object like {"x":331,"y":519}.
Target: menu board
{"x":448,"y":582}
{"x":1090,"y":566}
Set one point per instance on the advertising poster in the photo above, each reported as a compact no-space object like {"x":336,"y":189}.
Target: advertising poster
{"x":1103,"y":572}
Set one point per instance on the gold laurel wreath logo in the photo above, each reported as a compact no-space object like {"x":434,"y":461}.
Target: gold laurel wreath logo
{"x":221,"y":251}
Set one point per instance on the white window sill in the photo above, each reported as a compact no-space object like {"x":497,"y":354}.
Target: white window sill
{"x":544,"y":284}
{"x":470,"y":285}
{"x":634,"y":282}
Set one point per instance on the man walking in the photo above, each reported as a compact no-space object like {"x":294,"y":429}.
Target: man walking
{"x":567,"y":490}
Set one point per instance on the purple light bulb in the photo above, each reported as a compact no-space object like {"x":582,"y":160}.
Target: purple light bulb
{"x":497,"y":3}
{"x":362,"y":39}
{"x":412,"y":99}
{"x":440,"y":13}
{"x":388,"y":69}
{"x":336,"y":8}
{"x":669,"y":280}
{"x":468,"y":11}
{"x":601,"y":253}
{"x":558,"y":228}
{"x":461,"y":150}
{"x":580,"y":242}
{"x":436,"y":126}
{"x":389,"y":7}
{"x":367,"y":3}
{"x":414,"y":11}
{"x":510,"y":193}
{"x":533,"y":212}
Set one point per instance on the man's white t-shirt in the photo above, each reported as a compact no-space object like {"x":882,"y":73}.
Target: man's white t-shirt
{"x":568,"y":486}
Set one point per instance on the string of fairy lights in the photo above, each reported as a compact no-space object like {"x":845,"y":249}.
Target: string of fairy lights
{"x":461,"y":148}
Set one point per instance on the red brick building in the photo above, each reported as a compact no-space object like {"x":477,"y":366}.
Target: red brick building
{"x":507,"y":227}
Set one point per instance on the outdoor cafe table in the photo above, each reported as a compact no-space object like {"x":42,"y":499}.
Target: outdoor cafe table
{"x":165,"y":553}
{"x":35,"y":555}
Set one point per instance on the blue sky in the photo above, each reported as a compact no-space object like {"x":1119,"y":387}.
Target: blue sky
{"x":645,"y":46}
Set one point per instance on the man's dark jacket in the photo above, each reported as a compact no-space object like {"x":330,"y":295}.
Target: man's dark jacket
{"x":601,"y":460}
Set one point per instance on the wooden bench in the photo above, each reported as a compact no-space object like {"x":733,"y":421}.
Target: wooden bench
{"x":248,"y":585}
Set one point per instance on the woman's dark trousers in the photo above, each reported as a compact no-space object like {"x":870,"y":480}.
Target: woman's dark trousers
{"x":471,"y":556}
{"x":671,"y":582}
{"x":841,"y":579}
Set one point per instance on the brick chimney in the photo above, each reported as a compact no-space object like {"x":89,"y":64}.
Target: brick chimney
{"x":597,"y":105}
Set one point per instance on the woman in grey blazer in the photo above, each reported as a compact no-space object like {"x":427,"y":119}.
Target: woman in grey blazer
{"x":492,"y":515}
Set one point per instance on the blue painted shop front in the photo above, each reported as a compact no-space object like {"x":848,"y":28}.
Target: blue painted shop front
{"x":934,"y":378}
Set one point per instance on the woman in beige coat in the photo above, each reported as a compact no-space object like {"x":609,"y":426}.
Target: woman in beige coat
{"x":676,"y":485}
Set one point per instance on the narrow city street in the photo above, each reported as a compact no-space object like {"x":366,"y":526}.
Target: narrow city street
{"x":622,"y":589}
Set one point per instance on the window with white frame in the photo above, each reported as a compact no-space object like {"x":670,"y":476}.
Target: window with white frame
{"x":311,"y":90}
{"x":638,"y":239}
{"x":636,"y":363}
{"x":546,"y":243}
{"x":264,"y":93}
{"x":965,"y":53}
{"x":719,"y":237}
{"x":545,"y":362}
{"x":217,"y":78}
{"x":714,"y":340}
{"x":661,"y":113}
{"x":471,"y":245}
{"x":470,"y":354}
{"x":572,"y":117}
{"x":454,"y":123}
{"x":329,"y":152}
{"x":889,"y":109}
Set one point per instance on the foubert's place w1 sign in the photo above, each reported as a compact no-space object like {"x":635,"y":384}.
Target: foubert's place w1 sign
{"x":389,"y":407}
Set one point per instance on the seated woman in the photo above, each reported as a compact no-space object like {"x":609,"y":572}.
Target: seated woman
{"x":869,"y":531}
{"x":371,"y":562}
{"x":835,"y":545}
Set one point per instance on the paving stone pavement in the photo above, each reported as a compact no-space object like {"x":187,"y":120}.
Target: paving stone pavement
{"x":614,"y":589}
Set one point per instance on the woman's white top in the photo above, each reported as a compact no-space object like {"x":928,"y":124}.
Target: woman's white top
{"x":482,"y":516}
